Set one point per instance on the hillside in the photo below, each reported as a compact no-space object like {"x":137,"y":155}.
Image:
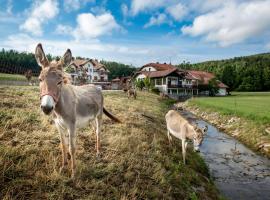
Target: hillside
{"x":14,"y":62}
{"x":247,"y":73}
{"x":136,"y":160}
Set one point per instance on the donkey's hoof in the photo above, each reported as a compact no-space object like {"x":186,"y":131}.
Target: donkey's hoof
{"x":98,"y":156}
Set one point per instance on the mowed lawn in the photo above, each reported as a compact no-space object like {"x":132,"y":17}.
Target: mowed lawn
{"x":14,"y":77}
{"x":250,"y":105}
{"x":136,"y":160}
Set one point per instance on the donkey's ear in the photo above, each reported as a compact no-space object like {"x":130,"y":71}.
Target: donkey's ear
{"x":41,"y":57}
{"x":66,"y":59}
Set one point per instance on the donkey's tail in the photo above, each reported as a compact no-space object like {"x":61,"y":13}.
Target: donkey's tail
{"x":115,"y":119}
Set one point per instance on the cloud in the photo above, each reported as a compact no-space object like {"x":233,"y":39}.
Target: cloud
{"x":233,"y":23}
{"x":177,"y":11}
{"x":9,"y":6}
{"x":160,"y":19}
{"x":92,"y":48}
{"x":91,"y":26}
{"x":124,"y":10}
{"x":138,"y":6}
{"x":63,"y":30}
{"x":40,"y":14}
{"x":72,"y":5}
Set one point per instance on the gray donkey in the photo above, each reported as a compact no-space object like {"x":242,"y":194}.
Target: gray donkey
{"x":73,"y":106}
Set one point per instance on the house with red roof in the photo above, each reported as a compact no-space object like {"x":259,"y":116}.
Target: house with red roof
{"x":94,"y":71}
{"x":178,"y":82}
{"x":203,"y":81}
{"x":169,"y":79}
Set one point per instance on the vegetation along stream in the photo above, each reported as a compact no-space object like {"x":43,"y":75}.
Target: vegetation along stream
{"x":238,"y":172}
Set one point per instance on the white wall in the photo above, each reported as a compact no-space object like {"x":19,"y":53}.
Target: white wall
{"x":140,"y":76}
{"x":222,"y":92}
{"x":149,"y":69}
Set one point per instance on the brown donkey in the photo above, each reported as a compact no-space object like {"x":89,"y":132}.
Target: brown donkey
{"x":73,"y":106}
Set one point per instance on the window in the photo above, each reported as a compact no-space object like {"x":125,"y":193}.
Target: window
{"x":159,"y":81}
{"x":95,"y":78}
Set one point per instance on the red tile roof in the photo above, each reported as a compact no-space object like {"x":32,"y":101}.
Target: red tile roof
{"x":156,"y":74}
{"x":205,"y":77}
{"x":158,"y":66}
{"x":80,"y":62}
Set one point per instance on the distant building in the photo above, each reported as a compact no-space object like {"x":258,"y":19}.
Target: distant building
{"x":120,"y":83}
{"x":204,"y":78}
{"x":94,"y":71}
{"x":177,"y":82}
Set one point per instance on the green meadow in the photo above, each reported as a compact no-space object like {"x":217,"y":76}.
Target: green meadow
{"x":249,"y":105}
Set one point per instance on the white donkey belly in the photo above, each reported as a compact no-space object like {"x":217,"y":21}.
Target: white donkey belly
{"x":176,"y":134}
{"x":83,"y":121}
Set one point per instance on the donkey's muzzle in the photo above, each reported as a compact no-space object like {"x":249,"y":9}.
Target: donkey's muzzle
{"x":46,"y":109}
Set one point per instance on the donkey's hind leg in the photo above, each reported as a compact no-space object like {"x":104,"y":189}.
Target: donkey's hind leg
{"x":98,"y":130}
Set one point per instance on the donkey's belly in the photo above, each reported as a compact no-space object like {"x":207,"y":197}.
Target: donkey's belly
{"x":83,"y":121}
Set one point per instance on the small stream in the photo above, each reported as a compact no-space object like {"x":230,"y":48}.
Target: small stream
{"x":237,"y":171}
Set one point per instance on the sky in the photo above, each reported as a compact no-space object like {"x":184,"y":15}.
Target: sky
{"x":138,"y":31}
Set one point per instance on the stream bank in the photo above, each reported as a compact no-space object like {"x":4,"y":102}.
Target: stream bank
{"x":238,"y":172}
{"x":255,"y":136}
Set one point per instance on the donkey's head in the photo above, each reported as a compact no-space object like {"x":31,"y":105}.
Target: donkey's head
{"x":51,"y":78}
{"x":198,"y":137}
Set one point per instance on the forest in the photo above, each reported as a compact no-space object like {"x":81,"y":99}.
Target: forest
{"x":247,"y":73}
{"x":14,"y":62}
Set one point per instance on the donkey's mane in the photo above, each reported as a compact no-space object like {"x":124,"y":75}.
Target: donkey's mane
{"x":66,"y":77}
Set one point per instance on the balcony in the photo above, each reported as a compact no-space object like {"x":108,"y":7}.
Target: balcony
{"x":186,"y":86}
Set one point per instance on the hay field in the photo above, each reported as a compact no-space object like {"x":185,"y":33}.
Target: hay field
{"x":136,"y":161}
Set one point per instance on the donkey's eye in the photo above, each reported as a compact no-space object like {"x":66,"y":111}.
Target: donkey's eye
{"x":40,"y":80}
{"x":59,"y":83}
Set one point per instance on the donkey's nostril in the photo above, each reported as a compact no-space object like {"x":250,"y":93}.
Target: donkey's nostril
{"x":46,"y":109}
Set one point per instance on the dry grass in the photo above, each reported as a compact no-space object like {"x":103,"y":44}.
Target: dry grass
{"x":136,"y":161}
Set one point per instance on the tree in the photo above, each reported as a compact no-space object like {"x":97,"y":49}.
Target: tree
{"x":213,"y":87}
{"x":139,"y":84}
{"x":147,"y":83}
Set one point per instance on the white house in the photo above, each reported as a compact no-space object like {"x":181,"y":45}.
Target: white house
{"x":169,"y":79}
{"x":94,"y":70}
{"x":204,"y":78}
{"x":177,"y":82}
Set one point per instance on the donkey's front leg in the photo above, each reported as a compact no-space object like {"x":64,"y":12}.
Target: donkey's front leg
{"x":64,"y":144}
{"x":98,"y":129}
{"x":184,"y":150}
{"x":72,"y":149}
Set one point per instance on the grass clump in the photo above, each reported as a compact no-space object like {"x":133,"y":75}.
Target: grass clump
{"x":136,"y":160}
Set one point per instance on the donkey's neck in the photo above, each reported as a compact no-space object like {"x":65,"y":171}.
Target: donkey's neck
{"x":65,"y":106}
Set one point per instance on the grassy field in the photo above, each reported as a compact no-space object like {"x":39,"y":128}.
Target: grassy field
{"x":136,"y":161}
{"x":249,"y":105}
{"x":13,"y":77}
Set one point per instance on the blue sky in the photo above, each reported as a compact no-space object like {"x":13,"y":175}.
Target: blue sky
{"x":138,"y":31}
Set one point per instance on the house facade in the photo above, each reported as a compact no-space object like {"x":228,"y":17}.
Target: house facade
{"x":176,"y":82}
{"x":89,"y":69}
{"x":203,"y":81}
{"x":169,"y":79}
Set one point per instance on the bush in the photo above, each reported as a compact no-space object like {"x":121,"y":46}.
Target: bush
{"x":155,"y":90}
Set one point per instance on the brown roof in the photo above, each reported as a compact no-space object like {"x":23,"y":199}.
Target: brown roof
{"x":97,"y":64}
{"x":80,"y":62}
{"x":156,"y":74}
{"x":205,"y":77}
{"x":159,"y":67}
{"x":116,"y":80}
